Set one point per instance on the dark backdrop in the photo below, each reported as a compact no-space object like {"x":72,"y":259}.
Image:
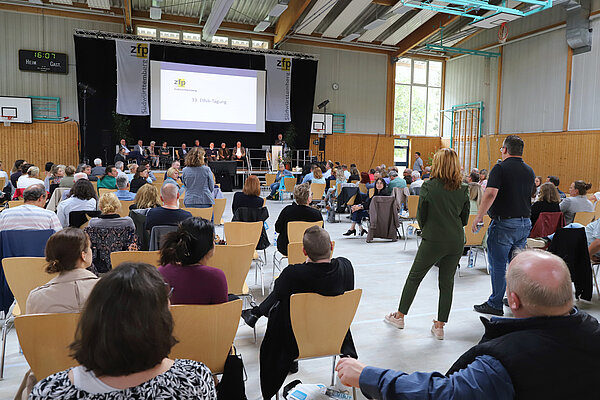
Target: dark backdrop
{"x":96,"y":66}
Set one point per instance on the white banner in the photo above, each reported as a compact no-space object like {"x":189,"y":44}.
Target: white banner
{"x":279,"y":88}
{"x":133,"y":63}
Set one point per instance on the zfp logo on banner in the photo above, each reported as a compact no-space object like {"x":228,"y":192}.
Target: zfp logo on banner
{"x":140,"y":51}
{"x":179,"y":83}
{"x":285,"y":64}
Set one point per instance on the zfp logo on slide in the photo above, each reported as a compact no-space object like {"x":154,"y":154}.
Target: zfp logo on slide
{"x":285,"y":64}
{"x":179,"y":83}
{"x":140,"y":51}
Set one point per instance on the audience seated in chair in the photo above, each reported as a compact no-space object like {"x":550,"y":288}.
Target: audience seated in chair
{"x":123,"y":192}
{"x":278,"y":180}
{"x":361,"y":211}
{"x":517,"y":357}
{"x":31,"y":215}
{"x":183,"y":258}
{"x":106,"y":240}
{"x":417,"y":182}
{"x":578,"y":201}
{"x":169,"y":213}
{"x":123,"y":340}
{"x":320,"y":274}
{"x":298,"y":211}
{"x":249,"y":196}
{"x":108,"y":181}
{"x":172,"y":177}
{"x":139,"y":179}
{"x":68,"y":180}
{"x":110,"y":206}
{"x":31,"y":177}
{"x":395,"y":181}
{"x":146,"y":197}
{"x":82,"y":197}
{"x":547,"y":200}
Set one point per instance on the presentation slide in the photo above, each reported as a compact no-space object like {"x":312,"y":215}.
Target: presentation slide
{"x":185,"y":96}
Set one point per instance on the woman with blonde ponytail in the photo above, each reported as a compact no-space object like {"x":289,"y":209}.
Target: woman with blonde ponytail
{"x":68,"y":253}
{"x":184,"y":255}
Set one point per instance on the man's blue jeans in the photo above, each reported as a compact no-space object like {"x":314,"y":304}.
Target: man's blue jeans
{"x":274,"y":188}
{"x":504,"y":237}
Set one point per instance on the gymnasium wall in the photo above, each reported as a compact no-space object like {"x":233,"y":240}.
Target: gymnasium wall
{"x":366,"y":151}
{"x":361,"y":77}
{"x":42,"y":32}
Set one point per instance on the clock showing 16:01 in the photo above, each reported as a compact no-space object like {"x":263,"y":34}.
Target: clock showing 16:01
{"x":43,"y":61}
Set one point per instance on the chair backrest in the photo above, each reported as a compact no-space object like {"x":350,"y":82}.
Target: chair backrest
{"x":289,"y":183}
{"x":45,"y":340}
{"x":270,"y":179}
{"x":218,"y":210}
{"x":148,"y":257}
{"x":206,"y":213}
{"x":476,"y":239}
{"x":413,"y":205}
{"x":243,"y":232}
{"x":95,"y":185}
{"x":124,"y":212}
{"x":362,"y":187}
{"x":371,"y":192}
{"x":101,"y":191}
{"x":157,"y":233}
{"x":320,"y":323}
{"x":295,"y":253}
{"x":24,"y":274}
{"x":80,"y":219}
{"x":235,"y":262}
{"x":206,"y":332}
{"x":15,"y":203}
{"x":318,"y":190}
{"x":584,"y":217}
{"x":547,"y":223}
{"x":296,"y":229}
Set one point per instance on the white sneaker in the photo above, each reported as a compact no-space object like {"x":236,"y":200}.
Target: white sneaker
{"x":437,"y":332}
{"x":396,"y":322}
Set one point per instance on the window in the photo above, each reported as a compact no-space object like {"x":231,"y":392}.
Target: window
{"x":240,"y":43}
{"x":169,"y":35}
{"x":418,"y":97}
{"x":260,"y":44}
{"x":146,"y":32}
{"x":192,"y":37}
{"x":222,"y":40}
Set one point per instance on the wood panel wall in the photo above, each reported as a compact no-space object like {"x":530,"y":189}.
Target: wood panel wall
{"x":366,"y":151}
{"x":39,"y":143}
{"x":424,"y":145}
{"x":568,"y":155}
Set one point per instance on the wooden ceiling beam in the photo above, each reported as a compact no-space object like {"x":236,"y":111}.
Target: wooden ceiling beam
{"x":388,"y":3}
{"x":430,"y":27}
{"x":289,"y":17}
{"x":127,"y":15}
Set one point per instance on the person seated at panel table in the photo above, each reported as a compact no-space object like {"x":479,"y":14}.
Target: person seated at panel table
{"x":122,"y":343}
{"x":238,"y":153}
{"x":320,"y":274}
{"x":181,"y":153}
{"x":121,"y":156}
{"x":153,"y":154}
{"x":196,"y":143}
{"x":165,"y":154}
{"x":212,"y":154}
{"x":224,"y":153}
{"x":184,"y":255}
{"x":108,"y":181}
{"x":578,"y":201}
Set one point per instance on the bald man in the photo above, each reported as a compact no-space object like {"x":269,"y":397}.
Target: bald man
{"x":169,"y":213}
{"x":548,"y":351}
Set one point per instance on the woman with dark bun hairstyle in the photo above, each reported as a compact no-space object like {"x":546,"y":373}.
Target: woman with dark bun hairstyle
{"x":183,"y":256}
{"x":68,"y":253}
{"x":578,"y":202}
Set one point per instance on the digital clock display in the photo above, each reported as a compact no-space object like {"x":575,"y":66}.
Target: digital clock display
{"x":43,"y":61}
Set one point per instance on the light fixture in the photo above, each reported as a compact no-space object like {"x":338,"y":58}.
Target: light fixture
{"x":36,"y":2}
{"x":351,"y":37}
{"x":278,"y":8}
{"x":401,"y":10}
{"x":155,"y":12}
{"x":102,"y":4}
{"x":262,"y":25}
{"x":218,"y":12}
{"x":375,"y":24}
{"x":69,"y":2}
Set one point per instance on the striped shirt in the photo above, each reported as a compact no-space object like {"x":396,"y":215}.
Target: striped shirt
{"x":28,"y":217}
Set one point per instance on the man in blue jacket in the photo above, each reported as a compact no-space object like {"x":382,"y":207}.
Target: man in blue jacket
{"x":548,"y":351}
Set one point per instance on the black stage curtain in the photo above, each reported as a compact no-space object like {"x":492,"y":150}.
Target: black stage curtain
{"x":96,"y":66}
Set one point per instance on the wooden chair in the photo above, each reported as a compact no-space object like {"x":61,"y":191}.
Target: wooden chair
{"x":24,"y":274}
{"x":295,"y":235}
{"x":206,"y":213}
{"x":318,"y":190}
{"x":584,"y":217}
{"x":124,"y":212}
{"x":289,"y":183}
{"x":412,"y":204}
{"x":371,"y":192}
{"x":474,"y":241}
{"x":148,"y":257}
{"x":101,"y":191}
{"x":295,"y":253}
{"x":206,"y":332}
{"x":362,"y":187}
{"x":219,"y":209}
{"x":45,"y":340}
{"x":234,"y":261}
{"x":269,"y":180}
{"x":320,"y":323}
{"x":15,"y":203}
{"x":95,"y":185}
{"x":238,"y":233}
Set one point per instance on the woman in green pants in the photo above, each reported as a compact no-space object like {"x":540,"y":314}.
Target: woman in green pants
{"x":442,"y":214}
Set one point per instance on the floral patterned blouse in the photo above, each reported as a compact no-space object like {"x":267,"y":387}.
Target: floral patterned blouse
{"x":186,"y":379}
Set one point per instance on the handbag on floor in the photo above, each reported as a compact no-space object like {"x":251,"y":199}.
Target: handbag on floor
{"x":232,"y":386}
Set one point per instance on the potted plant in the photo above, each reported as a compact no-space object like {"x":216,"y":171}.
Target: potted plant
{"x":121,"y":125}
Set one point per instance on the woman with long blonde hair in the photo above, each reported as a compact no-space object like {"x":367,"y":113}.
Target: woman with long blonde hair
{"x":443,"y":212}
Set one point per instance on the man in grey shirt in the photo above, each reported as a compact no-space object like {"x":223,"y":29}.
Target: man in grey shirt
{"x":418,"y":165}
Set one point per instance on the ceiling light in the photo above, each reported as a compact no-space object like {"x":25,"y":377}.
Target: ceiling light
{"x":155,"y":12}
{"x":351,"y":37}
{"x":375,"y":24}
{"x":262,"y":25}
{"x":69,"y":2}
{"x":36,"y":1}
{"x":103,"y":4}
{"x":279,"y":8}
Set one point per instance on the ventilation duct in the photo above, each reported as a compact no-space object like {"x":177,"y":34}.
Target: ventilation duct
{"x":579,"y":34}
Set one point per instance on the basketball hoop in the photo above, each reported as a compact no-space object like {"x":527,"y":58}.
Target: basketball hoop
{"x":503,"y":33}
{"x":320,"y":133}
{"x":7,"y":120}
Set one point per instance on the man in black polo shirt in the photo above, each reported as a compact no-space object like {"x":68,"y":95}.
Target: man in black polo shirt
{"x":508,"y":199}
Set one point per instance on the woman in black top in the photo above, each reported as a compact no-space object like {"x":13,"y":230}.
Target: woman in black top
{"x":354,"y":175}
{"x":547,"y":201}
{"x":249,"y":196}
{"x":361,"y":211}
{"x":139,"y":179}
